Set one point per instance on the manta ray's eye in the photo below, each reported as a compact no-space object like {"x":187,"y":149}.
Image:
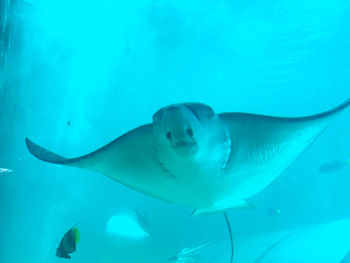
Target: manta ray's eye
{"x":189,"y":132}
{"x":168,"y":135}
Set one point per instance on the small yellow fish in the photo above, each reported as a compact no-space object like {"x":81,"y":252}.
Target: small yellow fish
{"x":68,"y":243}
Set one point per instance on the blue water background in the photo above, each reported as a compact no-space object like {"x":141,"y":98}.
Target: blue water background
{"x":77,"y":74}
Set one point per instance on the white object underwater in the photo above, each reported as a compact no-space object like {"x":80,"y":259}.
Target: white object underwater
{"x":125,"y":241}
{"x":125,"y":225}
{"x":5,"y":170}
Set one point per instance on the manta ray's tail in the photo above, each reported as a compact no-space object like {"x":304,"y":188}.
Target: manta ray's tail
{"x":230,"y":232}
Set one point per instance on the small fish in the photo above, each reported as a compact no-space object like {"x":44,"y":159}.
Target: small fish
{"x":5,"y":170}
{"x":274,"y":211}
{"x":185,"y":259}
{"x":68,"y":243}
{"x":189,"y":255}
{"x":333,"y":166}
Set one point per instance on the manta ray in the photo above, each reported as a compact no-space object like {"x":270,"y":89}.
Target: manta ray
{"x":190,"y":155}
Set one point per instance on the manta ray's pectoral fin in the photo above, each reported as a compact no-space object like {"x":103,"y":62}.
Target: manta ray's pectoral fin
{"x":108,"y":159}
{"x":244,"y":204}
{"x":50,"y":157}
{"x":198,"y":212}
{"x":45,"y":155}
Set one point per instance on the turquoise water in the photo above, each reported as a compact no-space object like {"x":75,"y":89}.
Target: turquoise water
{"x":75,"y":75}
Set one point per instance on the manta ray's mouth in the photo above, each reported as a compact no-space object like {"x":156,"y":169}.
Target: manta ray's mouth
{"x":185,"y":148}
{"x":181,"y":143}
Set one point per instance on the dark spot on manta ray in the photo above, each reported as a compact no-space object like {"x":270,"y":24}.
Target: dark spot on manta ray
{"x":162,"y":165}
{"x":166,"y":170}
